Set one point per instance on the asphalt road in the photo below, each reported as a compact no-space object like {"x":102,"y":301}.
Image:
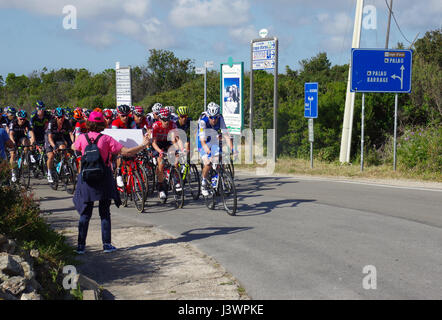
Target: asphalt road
{"x":305,"y":238}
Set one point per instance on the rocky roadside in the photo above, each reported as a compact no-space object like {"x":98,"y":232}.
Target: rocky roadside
{"x":17,"y":276}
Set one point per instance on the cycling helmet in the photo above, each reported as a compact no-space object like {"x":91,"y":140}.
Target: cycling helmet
{"x":157,"y":107}
{"x":40,"y":105}
{"x":108,"y":114}
{"x":11,"y":110}
{"x":87,"y":113}
{"x":164,"y":114}
{"x":124,"y":109}
{"x":183,"y":111}
{"x":98,"y":110}
{"x":59,"y":112}
{"x":138,"y":111}
{"x":22,"y":114}
{"x":171,"y":109}
{"x":212,"y":109}
{"x":78,"y":114}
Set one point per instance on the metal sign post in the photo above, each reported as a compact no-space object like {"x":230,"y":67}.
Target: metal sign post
{"x":362,"y":131}
{"x":311,"y":111}
{"x":203,"y":71}
{"x":264,"y":56}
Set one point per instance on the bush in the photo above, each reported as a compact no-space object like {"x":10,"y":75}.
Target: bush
{"x":420,"y":148}
{"x":21,"y":220}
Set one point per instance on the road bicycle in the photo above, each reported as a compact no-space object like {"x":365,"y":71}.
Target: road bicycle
{"x":64,"y":174}
{"x":221,"y":185}
{"x":133,"y":185}
{"x":39,"y":165}
{"x":191,"y":179}
{"x":23,"y":171}
{"x":173,"y":181}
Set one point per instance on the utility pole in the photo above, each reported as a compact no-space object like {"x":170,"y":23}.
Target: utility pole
{"x":390,"y":9}
{"x":347,"y":124}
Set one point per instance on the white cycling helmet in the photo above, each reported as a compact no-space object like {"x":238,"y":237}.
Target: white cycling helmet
{"x":212,"y":109}
{"x":157,"y":107}
{"x":171,"y":109}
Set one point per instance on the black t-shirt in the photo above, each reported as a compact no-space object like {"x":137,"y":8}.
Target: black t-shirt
{"x":59,"y":134}
{"x":39,"y":125}
{"x":20,"y":131}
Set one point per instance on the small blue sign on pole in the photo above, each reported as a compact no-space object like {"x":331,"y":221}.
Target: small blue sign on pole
{"x":311,"y":100}
{"x":381,"y":70}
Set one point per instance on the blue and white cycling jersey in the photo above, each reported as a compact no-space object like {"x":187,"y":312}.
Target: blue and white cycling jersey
{"x":209,"y":133}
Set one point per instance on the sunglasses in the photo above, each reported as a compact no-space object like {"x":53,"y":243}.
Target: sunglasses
{"x":21,"y":119}
{"x":123,"y":115}
{"x":60,"y":117}
{"x":213,"y":117}
{"x":108,"y":118}
{"x":183,"y":117}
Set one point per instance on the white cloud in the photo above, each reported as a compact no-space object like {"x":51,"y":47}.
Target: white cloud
{"x":244,"y":34}
{"x":201,"y":13}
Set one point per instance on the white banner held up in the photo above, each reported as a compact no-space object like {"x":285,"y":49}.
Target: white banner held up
{"x":127,"y":137}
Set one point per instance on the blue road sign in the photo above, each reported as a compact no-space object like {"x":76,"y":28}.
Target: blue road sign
{"x":381,"y":70}
{"x":311,"y":100}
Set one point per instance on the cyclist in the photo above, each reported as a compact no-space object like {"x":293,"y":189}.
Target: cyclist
{"x":173,"y":115}
{"x":10,"y":116}
{"x":58,"y":134}
{"x":183,"y":123}
{"x":208,"y":146}
{"x":19,"y":130}
{"x":39,"y":122}
{"x":124,"y":120}
{"x":108,"y":118}
{"x":141,"y":120}
{"x":161,"y":144}
{"x":80,"y":125}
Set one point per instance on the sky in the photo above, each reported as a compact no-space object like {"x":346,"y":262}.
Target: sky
{"x":41,"y":33}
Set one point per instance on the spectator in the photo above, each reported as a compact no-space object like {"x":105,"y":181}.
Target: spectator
{"x":103,"y":191}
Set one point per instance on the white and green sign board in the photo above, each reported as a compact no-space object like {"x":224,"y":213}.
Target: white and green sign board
{"x":232,"y":83}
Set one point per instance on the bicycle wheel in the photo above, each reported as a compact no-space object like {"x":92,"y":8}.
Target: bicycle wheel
{"x":68,"y":178}
{"x":55,"y":179}
{"x":151,"y":180}
{"x":192,"y":182}
{"x":210,"y":199}
{"x":25,"y":170}
{"x":138,"y":191}
{"x":228,"y":193}
{"x":176,"y":184}
{"x":143,"y":175}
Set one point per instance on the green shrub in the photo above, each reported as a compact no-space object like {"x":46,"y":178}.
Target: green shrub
{"x":21,"y":220}
{"x":420,"y":149}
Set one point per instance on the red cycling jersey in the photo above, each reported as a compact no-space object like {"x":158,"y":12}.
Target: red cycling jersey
{"x":118,"y":124}
{"x":160,"y":133}
{"x":144,"y":124}
{"x":80,"y":127}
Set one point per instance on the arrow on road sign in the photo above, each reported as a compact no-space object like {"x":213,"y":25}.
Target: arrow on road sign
{"x":401,"y":77}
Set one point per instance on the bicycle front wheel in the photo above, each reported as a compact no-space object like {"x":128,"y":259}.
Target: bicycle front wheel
{"x":25,"y":170}
{"x":69,"y":178}
{"x":228,"y":193}
{"x":192,"y":183}
{"x":138,"y":191}
{"x":177,"y":187}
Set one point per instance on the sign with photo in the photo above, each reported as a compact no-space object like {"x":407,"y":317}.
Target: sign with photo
{"x":232,"y":77}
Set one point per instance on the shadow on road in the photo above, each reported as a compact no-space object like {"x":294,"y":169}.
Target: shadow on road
{"x":192,"y":235}
{"x":268,"y":206}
